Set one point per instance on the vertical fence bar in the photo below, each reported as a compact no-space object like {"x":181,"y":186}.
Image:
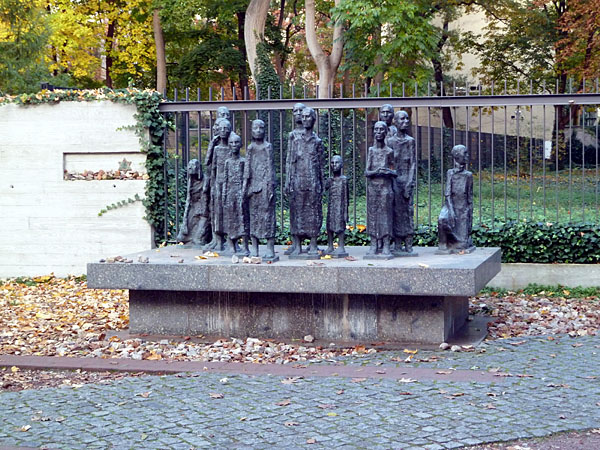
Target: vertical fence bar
{"x":281,"y":159}
{"x":354,"y":157}
{"x":570,"y":157}
{"x":544,"y":157}
{"x":366,"y":141}
{"x":505,"y":160}
{"x":479,"y":165}
{"x":198,"y":98}
{"x":597,"y":183}
{"x":430,"y":154}
{"x":165,"y":182}
{"x":177,"y":126}
{"x":417,"y":157}
{"x":583,"y":170}
{"x":556,"y":157}
{"x":442,"y":154}
{"x":493,"y":163}
{"x":531,"y":156}
{"x":518,"y":130}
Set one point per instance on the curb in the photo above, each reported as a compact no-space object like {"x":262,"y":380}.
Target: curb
{"x":288,"y":370}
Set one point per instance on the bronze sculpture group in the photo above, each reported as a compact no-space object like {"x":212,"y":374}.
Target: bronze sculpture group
{"x":234,"y":202}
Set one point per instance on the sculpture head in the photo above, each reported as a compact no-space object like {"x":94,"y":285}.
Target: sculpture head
{"x":402,"y":120}
{"x":223,"y":128}
{"x":386,"y":114}
{"x":380,"y":130}
{"x":235,"y":143}
{"x":194,"y":168}
{"x":336,"y":164}
{"x":460,"y":154}
{"x":258,"y":129}
{"x":223,"y":113}
{"x":309,"y":116}
{"x":297,"y":111}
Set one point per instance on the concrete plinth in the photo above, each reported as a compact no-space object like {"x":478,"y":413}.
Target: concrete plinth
{"x":421,"y":300}
{"x":342,"y":317}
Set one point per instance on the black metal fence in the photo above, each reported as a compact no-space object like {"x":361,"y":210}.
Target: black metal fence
{"x":533,"y":156}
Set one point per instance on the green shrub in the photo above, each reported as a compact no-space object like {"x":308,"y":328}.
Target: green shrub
{"x":522,"y":242}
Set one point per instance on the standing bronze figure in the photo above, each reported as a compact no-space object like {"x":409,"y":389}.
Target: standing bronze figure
{"x":304,"y":187}
{"x":456,"y":218}
{"x":235,"y":217}
{"x":403,"y":146}
{"x":337,"y":208}
{"x":380,"y":175}
{"x":295,"y":135}
{"x":259,"y":190}
{"x":215,"y":160}
{"x":194,"y":230}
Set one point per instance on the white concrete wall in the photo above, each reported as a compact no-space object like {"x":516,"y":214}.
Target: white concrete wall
{"x":48,"y":224}
{"x":515,"y":276}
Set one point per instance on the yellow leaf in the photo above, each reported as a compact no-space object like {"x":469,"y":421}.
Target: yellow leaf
{"x":25,"y":428}
{"x":412,"y":352}
{"x":326,"y":257}
{"x":200,"y":257}
{"x":44,"y":316}
{"x":154,"y":357}
{"x":332,"y":414}
{"x":14,"y":369}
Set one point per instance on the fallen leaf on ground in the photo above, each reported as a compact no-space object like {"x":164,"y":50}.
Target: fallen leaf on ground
{"x":283,"y":403}
{"x":406,"y":380}
{"x":216,"y":395}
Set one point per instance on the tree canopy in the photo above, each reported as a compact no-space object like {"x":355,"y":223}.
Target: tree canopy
{"x":203,"y":43}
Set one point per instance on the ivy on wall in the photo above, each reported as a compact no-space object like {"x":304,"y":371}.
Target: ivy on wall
{"x":150,"y":128}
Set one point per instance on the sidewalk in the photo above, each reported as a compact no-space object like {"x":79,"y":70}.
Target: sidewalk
{"x":517,"y":388}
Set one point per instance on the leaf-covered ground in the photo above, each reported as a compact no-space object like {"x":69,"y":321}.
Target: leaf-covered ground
{"x":55,"y":316}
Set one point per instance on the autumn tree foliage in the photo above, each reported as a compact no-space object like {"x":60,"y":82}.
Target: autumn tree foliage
{"x":578,"y":49}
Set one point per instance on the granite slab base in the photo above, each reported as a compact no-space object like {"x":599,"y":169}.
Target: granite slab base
{"x":342,"y":317}
{"x":421,"y":299}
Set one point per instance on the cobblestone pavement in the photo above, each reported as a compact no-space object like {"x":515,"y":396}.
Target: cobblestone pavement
{"x":554,"y":385}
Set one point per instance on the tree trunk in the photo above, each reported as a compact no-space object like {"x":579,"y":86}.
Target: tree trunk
{"x":254,"y":29}
{"x":161,"y":60}
{"x":438,"y":73}
{"x":108,"y":46}
{"x":242,"y":72}
{"x":327,"y":65}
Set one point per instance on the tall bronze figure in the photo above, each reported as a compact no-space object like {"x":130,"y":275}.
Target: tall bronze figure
{"x":380,"y":173}
{"x":215,"y":160}
{"x":194,"y":230}
{"x":337,"y":208}
{"x":295,"y":135}
{"x":259,"y":190}
{"x":403,"y":146}
{"x":235,"y":213}
{"x":304,"y":187}
{"x":456,"y":218}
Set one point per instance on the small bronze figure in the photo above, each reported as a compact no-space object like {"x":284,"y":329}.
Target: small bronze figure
{"x":215,"y":159}
{"x":235,"y":218}
{"x":386,"y":114}
{"x":337,"y":208}
{"x":403,"y":146}
{"x":456,"y":218}
{"x":259,"y":189}
{"x":380,"y":174}
{"x":195,"y":229}
{"x":304,"y":187}
{"x":295,"y":135}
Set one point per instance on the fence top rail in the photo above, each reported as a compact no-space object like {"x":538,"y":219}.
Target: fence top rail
{"x":376,"y":102}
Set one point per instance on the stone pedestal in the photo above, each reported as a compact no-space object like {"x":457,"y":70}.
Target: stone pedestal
{"x":420,"y":300}
{"x":336,"y":317}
